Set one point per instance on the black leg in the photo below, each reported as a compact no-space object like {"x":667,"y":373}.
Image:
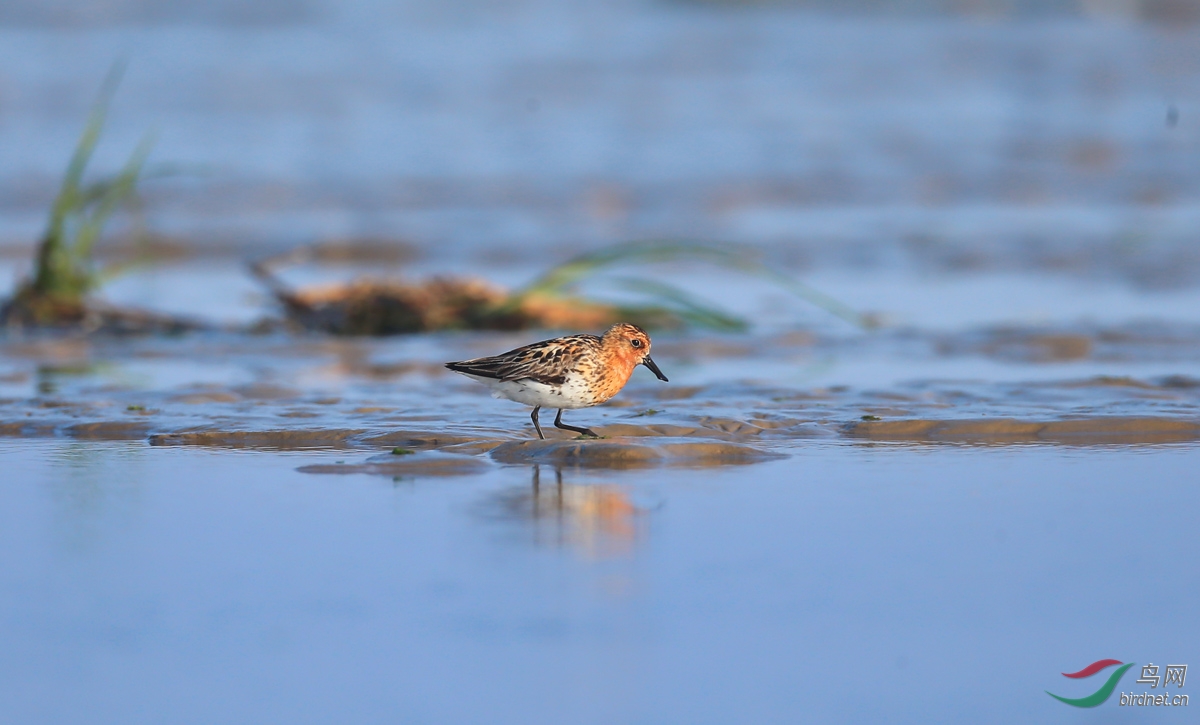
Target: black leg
{"x":559,"y":424}
{"x":537,"y":426}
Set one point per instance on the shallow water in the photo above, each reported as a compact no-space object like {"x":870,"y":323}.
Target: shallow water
{"x":849,"y":527}
{"x":849,"y":583}
{"x":993,"y":135}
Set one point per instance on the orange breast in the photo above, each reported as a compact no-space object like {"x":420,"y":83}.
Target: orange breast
{"x":613,"y":378}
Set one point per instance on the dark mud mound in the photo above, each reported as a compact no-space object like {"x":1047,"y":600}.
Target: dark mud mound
{"x":1089,"y":431}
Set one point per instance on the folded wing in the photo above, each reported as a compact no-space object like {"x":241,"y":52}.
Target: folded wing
{"x":546,"y":362}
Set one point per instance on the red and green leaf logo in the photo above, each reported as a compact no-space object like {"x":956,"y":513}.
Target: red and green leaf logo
{"x":1105,"y":690}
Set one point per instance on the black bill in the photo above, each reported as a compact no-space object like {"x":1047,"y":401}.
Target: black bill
{"x":654,"y":369}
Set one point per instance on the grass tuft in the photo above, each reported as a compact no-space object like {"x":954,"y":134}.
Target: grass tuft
{"x":65,"y":271}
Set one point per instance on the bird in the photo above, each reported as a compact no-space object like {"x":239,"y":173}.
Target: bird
{"x":575,"y":371}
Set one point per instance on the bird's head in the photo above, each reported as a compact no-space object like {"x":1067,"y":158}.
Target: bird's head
{"x":630,"y":344}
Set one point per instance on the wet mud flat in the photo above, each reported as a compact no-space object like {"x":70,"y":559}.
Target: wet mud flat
{"x":738,"y":398}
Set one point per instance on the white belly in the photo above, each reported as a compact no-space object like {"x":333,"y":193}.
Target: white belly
{"x":571,"y":394}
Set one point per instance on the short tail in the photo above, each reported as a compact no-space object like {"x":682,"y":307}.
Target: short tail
{"x":470,"y":367}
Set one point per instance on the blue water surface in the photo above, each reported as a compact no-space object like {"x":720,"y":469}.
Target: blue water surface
{"x":847,"y":583}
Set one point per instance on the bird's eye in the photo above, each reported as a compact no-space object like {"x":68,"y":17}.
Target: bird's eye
{"x":635,"y":342}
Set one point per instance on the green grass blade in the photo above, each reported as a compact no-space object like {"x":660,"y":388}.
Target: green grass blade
{"x":685,"y":306}
{"x":566,"y":277}
{"x":90,"y":137}
{"x":562,"y":278}
{"x":109,"y":196}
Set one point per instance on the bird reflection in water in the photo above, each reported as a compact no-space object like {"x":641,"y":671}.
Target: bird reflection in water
{"x":598,"y":519}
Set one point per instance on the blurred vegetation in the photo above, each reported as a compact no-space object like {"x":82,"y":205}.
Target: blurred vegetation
{"x":65,"y":270}
{"x":675,"y":307}
{"x":65,"y":273}
{"x":552,"y":301}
